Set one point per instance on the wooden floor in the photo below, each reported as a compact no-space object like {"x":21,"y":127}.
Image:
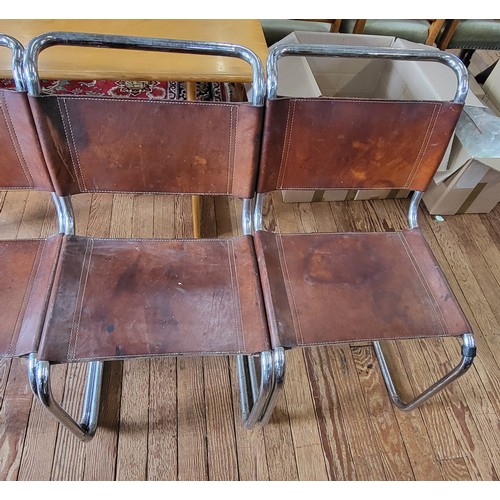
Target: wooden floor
{"x":178,"y":418}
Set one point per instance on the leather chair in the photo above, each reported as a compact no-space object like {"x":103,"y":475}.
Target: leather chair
{"x":116,"y":299}
{"x":323,"y":289}
{"x":27,"y":264}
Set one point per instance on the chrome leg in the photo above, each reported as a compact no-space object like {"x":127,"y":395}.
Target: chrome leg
{"x":65,"y":216}
{"x":468,"y":354}
{"x":86,"y":429}
{"x":32,"y":373}
{"x":278,"y":383}
{"x":254,"y":395}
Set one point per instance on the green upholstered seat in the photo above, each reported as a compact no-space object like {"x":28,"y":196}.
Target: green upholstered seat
{"x":415,"y":30}
{"x":476,"y":34}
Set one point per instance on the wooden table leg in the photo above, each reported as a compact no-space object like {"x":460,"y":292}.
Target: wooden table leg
{"x":195,"y":199}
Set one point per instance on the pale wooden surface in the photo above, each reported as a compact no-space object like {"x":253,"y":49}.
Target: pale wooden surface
{"x":179,"y":418}
{"x":80,"y":63}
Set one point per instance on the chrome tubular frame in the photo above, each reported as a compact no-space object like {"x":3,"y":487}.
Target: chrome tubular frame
{"x":453,"y":62}
{"x":17,"y":59}
{"x":257,"y":386}
{"x":86,"y":429}
{"x":46,"y":40}
{"x":449,"y":60}
{"x":65,"y":216}
{"x":468,"y":354}
{"x":413,"y":210}
{"x":254,"y":393}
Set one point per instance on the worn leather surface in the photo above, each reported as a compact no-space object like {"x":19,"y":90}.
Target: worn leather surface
{"x":96,"y":144}
{"x":332,"y":143}
{"x":25,"y":280}
{"x":117,"y":299}
{"x":329,"y":288}
{"x":21,"y":161}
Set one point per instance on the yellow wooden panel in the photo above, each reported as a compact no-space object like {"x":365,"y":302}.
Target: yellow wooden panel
{"x":82,"y":63}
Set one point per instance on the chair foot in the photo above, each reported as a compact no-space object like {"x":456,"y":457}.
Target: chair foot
{"x":86,"y":429}
{"x":468,"y":354}
{"x":258,"y":390}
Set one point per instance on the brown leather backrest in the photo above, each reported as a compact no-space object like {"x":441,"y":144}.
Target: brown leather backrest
{"x":104,"y":144}
{"x":21,"y":161}
{"x":335,"y":143}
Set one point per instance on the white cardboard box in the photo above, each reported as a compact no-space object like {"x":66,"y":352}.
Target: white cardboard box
{"x":368,"y":78}
{"x":470,"y":183}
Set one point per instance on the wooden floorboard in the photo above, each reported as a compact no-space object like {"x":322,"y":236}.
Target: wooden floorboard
{"x":179,"y":418}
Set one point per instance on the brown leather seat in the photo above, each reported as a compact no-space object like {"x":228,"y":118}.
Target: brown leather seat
{"x":27,"y":266}
{"x":117,"y":299}
{"x":344,"y":287}
{"x":131,"y":298}
{"x":322,"y":289}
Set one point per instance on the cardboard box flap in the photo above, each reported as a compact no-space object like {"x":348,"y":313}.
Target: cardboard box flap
{"x":430,"y":78}
{"x":492,"y":86}
{"x":458,"y":157}
{"x":479,"y":132}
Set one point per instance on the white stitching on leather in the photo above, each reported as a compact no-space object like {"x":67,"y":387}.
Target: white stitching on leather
{"x":289,"y":289}
{"x":70,"y":340}
{"x":74,"y":145}
{"x":239,"y":318}
{"x":67,"y":140}
{"x":425,"y":143}
{"x":425,"y":283}
{"x":285,"y":139}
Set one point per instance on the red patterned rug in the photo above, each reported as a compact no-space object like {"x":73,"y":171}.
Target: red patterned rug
{"x":205,"y":91}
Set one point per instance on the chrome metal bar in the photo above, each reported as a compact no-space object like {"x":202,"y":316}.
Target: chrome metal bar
{"x":258,"y":217}
{"x":17,"y":58}
{"x":244,"y":385}
{"x":254,"y":379}
{"x":252,"y":410}
{"x":91,"y":401}
{"x":413,"y":210}
{"x":84,"y":431}
{"x":468,"y":354}
{"x":69,"y":218}
{"x":248,"y":383}
{"x":32,"y":372}
{"x":65,"y":216}
{"x":278,"y":384}
{"x":46,"y":40}
{"x":61,"y":216}
{"x":448,"y":59}
{"x":246,"y":216}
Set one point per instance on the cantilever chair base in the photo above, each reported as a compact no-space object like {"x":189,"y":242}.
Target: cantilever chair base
{"x":259,"y":398}
{"x":468,"y":354}
{"x":86,"y":429}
